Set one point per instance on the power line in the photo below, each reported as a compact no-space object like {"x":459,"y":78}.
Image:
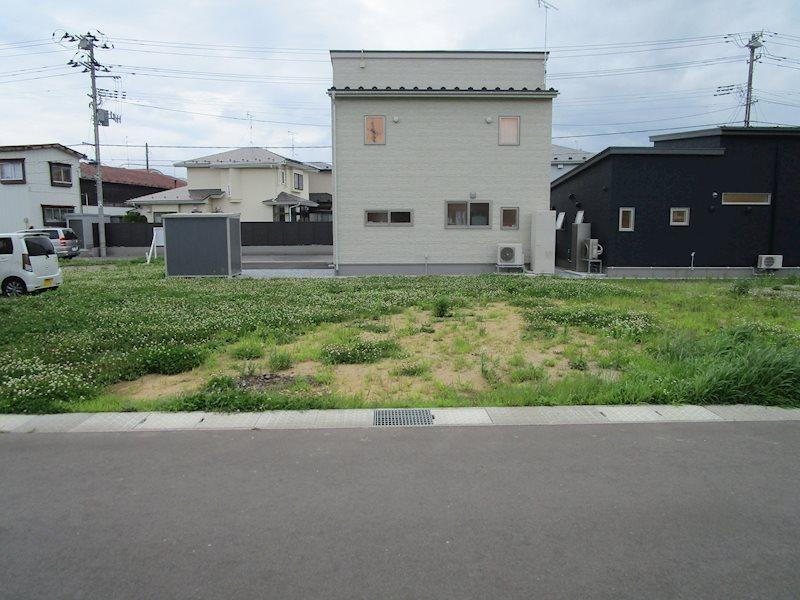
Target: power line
{"x":188,"y":146}
{"x":189,"y":112}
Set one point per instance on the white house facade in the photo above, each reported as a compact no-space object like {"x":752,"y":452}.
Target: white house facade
{"x":438,"y":158}
{"x":258,"y":184}
{"x":39,"y":185}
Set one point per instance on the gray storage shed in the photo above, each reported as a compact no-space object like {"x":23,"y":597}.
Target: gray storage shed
{"x":202,"y":245}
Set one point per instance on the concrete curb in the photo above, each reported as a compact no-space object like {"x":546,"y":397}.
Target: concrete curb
{"x":363,"y":418}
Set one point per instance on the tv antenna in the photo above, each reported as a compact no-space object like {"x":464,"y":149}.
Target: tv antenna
{"x":546,"y":6}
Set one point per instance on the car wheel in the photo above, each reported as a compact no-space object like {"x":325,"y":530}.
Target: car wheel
{"x":13,"y":286}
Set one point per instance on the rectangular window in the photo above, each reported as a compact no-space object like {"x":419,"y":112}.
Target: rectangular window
{"x":579,"y":217}
{"x":12,"y":170}
{"x":6,"y":246}
{"x":60,"y":174}
{"x":39,"y":246}
{"x":740,"y":198}
{"x":679,"y":216}
{"x":510,"y":218}
{"x":626,"y":219}
{"x":283,"y":177}
{"x":56,"y":215}
{"x":298,"y":181}
{"x":508,"y":131}
{"x":374,"y":129}
{"x":374,"y":218}
{"x":467,"y":214}
{"x":560,"y":220}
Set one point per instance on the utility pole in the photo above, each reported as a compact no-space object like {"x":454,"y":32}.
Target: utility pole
{"x":86,"y":44}
{"x":147,"y":157}
{"x":753,"y":45}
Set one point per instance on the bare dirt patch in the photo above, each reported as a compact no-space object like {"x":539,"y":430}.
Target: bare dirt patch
{"x":158,"y":386}
{"x":263,"y":381}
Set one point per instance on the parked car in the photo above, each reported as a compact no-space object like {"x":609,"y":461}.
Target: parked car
{"x":28,"y":263}
{"x":64,"y":239}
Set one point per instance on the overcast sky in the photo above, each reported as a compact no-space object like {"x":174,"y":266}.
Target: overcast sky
{"x":224,"y":60}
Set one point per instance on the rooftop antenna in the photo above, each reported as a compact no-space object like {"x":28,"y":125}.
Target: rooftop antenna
{"x":250,"y":119}
{"x":546,"y":6}
{"x":291,"y":134}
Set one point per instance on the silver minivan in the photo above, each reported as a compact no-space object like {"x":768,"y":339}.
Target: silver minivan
{"x":28,"y":263}
{"x":64,"y":240}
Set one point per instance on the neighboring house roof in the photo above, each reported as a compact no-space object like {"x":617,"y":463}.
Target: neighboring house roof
{"x":569,"y":156}
{"x":244,"y":158}
{"x":726,"y":130}
{"x":321,"y":166}
{"x":24,"y":147}
{"x":522,"y":92}
{"x":637,"y":151}
{"x":285,"y":199}
{"x":141,"y":177}
{"x":181,"y":195}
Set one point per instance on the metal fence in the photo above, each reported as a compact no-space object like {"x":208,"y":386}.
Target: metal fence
{"x":253,"y":234}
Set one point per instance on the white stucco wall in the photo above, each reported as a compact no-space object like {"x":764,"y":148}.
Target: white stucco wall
{"x":423,"y":69}
{"x":440,"y":149}
{"x":21,"y":204}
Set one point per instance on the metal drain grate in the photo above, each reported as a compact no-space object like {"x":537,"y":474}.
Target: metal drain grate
{"x":402,"y":417}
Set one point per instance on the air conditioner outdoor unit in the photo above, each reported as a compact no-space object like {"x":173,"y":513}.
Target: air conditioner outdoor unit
{"x":510,"y":255}
{"x":593,"y":249}
{"x":770,"y":261}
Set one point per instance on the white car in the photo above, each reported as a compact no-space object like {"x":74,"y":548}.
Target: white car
{"x":28,"y":263}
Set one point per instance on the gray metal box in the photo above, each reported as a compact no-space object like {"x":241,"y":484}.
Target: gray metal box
{"x":202,"y":245}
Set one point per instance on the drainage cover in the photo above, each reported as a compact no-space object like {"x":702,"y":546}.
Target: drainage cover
{"x":402,"y":417}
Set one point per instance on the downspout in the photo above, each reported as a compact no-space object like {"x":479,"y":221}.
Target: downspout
{"x":335,"y":187}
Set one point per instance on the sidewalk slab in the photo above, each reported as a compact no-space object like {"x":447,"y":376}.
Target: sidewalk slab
{"x":314,"y":419}
{"x":748,"y":412}
{"x":686,"y":413}
{"x":12,"y":422}
{"x":169,"y":421}
{"x":228,"y":421}
{"x":51,"y":423}
{"x":631,"y":414}
{"x":545,"y":415}
{"x":460,"y":416}
{"x":109,"y":422}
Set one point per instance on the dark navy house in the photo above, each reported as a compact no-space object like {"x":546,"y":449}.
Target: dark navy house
{"x":727,"y":195}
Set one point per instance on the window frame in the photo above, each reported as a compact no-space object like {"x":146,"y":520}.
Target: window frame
{"x":731,"y":194}
{"x":516,"y":220}
{"x":560,"y":216}
{"x":632,"y":221}
{"x":673,"y":222}
{"x":13,"y":181}
{"x":55,"y":183}
{"x":389,"y":222}
{"x":52,"y":224}
{"x":297,"y":176}
{"x":499,"y":130}
{"x":368,"y":143}
{"x":469,"y":204}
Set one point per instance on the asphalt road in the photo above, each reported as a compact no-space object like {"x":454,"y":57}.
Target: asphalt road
{"x":591,"y":511}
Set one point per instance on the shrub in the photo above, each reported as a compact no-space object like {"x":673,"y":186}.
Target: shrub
{"x":442,"y":306}
{"x":410,"y":370}
{"x":741,"y":287}
{"x":359,"y":351}
{"x":247,"y":350}
{"x":170,"y":360}
{"x":280,"y":361}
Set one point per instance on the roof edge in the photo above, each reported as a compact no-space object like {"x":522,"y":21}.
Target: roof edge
{"x":725,"y":130}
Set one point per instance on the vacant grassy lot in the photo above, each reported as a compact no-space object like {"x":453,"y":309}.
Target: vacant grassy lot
{"x":122,"y":337}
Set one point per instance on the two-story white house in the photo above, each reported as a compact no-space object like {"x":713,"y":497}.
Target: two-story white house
{"x":258,"y":184}
{"x":38,"y":185}
{"x":440,"y":156}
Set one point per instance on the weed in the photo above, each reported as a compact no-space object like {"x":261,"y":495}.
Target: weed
{"x":578,"y":363}
{"x":413,"y":369}
{"x":527,"y":373}
{"x":741,"y":287}
{"x":359,"y":351}
{"x":247,"y":350}
{"x":169,"y":360}
{"x":488,"y":370}
{"x":280,"y":360}
{"x":441,"y":307}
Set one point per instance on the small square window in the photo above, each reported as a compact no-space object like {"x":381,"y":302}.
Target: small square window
{"x":457,"y":214}
{"x":400,"y":217}
{"x":560,"y":220}
{"x":12,"y":170}
{"x":579,"y":217}
{"x":60,"y":174}
{"x":508,"y":131}
{"x":374,"y":129}
{"x":377,"y":217}
{"x":510,"y":218}
{"x":679,"y":217}
{"x":626,"y":218}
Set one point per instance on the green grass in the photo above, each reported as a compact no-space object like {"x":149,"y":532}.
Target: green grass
{"x":667,"y":341}
{"x":280,"y":360}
